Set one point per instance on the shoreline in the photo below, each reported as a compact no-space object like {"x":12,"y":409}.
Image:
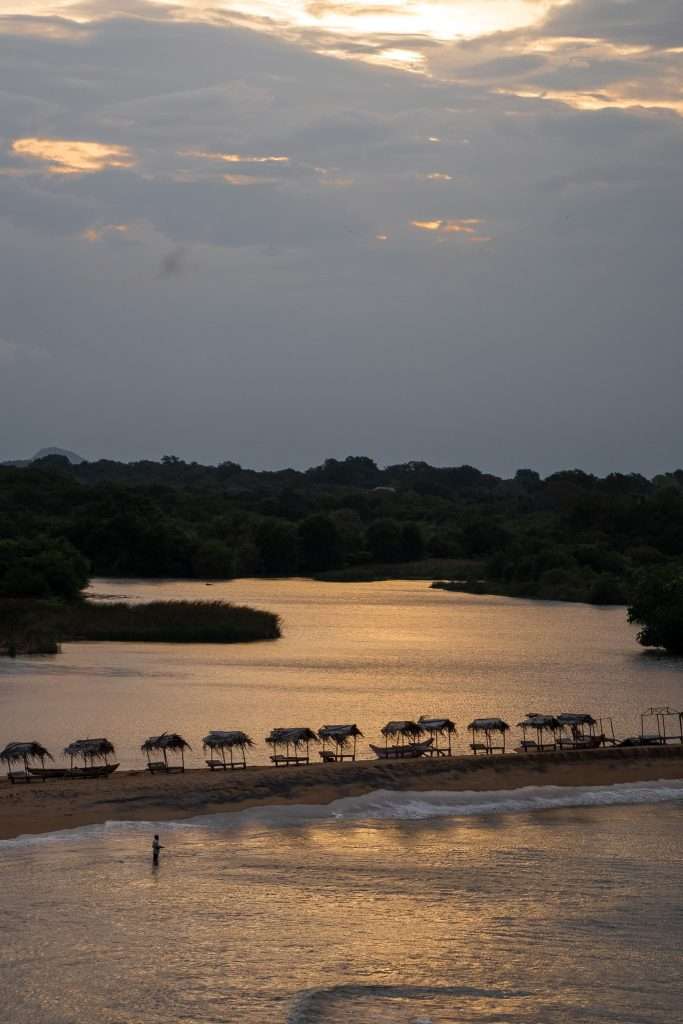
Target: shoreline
{"x":56,"y":805}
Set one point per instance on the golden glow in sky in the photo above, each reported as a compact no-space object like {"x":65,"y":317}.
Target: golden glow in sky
{"x":70,"y":156}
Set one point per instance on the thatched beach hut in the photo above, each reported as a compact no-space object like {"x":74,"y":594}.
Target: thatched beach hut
{"x":26,"y":752}
{"x":407,"y":737}
{"x":546,"y":728}
{"x":94,"y":753}
{"x":488,"y":735}
{"x":219,"y":741}
{"x":90,"y":751}
{"x":578,"y":731}
{"x":289,"y":745}
{"x":339,"y":737}
{"x":165,"y":744}
{"x":442,"y":730}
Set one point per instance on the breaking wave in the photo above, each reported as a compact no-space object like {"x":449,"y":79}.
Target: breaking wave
{"x":384,"y":805}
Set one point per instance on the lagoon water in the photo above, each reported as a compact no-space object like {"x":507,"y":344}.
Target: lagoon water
{"x":529,"y":907}
{"x":362,"y":653}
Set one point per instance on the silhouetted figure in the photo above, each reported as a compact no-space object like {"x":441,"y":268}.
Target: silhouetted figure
{"x":156,"y":846}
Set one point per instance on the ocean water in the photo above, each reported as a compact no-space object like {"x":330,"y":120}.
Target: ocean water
{"x":390,"y":909}
{"x":350,"y":652}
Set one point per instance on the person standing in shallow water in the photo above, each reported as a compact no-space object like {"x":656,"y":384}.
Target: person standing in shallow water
{"x":156,"y":846}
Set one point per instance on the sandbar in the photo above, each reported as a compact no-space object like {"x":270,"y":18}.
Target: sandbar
{"x":54,"y":805}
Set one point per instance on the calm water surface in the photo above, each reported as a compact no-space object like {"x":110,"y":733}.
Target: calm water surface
{"x":555,"y":917}
{"x":350,"y":652}
{"x":535,"y":907}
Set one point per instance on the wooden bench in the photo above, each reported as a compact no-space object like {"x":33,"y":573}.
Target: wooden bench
{"x":215,"y":765}
{"x":283,"y":759}
{"x":329,"y":756}
{"x":161,"y":766}
{"x":15,"y":777}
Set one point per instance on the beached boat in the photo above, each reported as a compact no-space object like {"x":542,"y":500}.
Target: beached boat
{"x":401,"y":750}
{"x":95,"y":756}
{"x":408,"y":742}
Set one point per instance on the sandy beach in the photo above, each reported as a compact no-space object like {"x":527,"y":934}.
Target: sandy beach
{"x":137,"y":796}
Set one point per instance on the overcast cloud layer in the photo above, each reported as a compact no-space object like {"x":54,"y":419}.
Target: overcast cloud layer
{"x":284,"y":232}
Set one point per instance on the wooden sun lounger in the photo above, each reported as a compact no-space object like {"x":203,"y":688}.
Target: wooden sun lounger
{"x":330,"y":757}
{"x":214,"y":764}
{"x":15,"y":777}
{"x":160,"y":766}
{"x":283,"y":759}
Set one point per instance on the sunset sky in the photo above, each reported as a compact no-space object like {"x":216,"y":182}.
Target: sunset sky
{"x":275,"y":231}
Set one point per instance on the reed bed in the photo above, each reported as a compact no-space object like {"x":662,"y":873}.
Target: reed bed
{"x":188,"y":622}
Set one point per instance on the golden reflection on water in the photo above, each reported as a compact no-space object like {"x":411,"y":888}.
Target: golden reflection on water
{"x":350,"y":652}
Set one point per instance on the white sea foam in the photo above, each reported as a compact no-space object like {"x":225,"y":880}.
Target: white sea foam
{"x":383,"y":805}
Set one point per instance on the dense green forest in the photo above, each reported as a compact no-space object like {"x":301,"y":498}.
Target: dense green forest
{"x":569,"y":536}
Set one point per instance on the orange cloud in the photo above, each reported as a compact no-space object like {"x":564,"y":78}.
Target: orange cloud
{"x":468,"y":226}
{"x":71,"y":156}
{"x":235,"y":158}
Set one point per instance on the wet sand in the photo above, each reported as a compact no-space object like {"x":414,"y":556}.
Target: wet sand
{"x":138,"y":796}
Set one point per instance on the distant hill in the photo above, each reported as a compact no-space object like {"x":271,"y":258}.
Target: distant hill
{"x":45,"y":453}
{"x":73,"y":457}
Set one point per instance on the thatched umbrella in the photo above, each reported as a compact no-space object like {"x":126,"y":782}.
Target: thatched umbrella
{"x":439,"y":727}
{"x":540,"y":724}
{"x":489,"y":728}
{"x":90,"y":750}
{"x":295,"y":737}
{"x":168,"y":741}
{"x":403,"y":731}
{"x":340,"y":736}
{"x":219,"y":741}
{"x":581,"y":729}
{"x":25,"y":751}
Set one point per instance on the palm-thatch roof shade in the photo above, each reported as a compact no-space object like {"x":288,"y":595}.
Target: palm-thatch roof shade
{"x":573,"y":719}
{"x":298,"y":736}
{"x":167,"y":742}
{"x":402,"y":730}
{"x":541,"y":724}
{"x":489,"y":728}
{"x":91,"y":750}
{"x":220,"y":740}
{"x":339,"y":736}
{"x":26,"y":751}
{"x":439,"y":727}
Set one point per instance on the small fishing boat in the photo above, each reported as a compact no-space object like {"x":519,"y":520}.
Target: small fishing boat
{"x":49,"y":773}
{"x":91,"y":752}
{"x":402,"y":750}
{"x":408,"y":740}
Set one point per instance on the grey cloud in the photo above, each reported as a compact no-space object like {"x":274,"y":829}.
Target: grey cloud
{"x":564,"y":328}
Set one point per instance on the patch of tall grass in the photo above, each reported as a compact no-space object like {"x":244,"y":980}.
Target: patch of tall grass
{"x":23,"y":623}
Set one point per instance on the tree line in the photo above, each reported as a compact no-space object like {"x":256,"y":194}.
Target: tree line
{"x":570,"y":535}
